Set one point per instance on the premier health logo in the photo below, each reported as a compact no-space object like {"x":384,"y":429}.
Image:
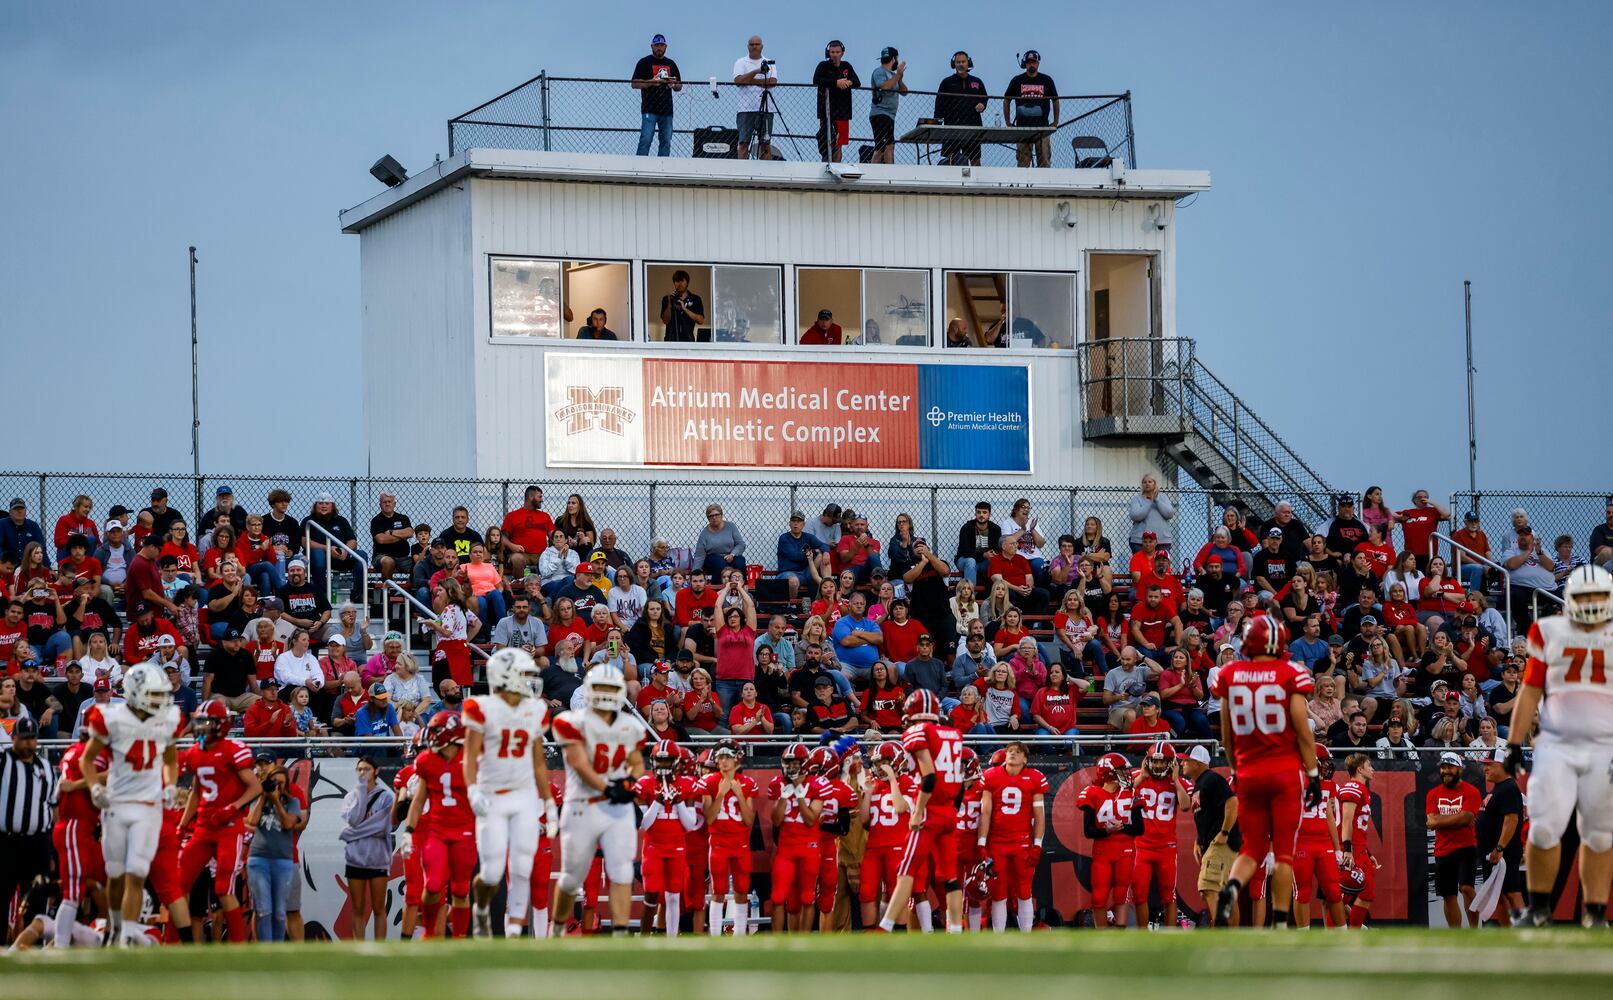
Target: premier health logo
{"x":980,"y":420}
{"x":589,"y":409}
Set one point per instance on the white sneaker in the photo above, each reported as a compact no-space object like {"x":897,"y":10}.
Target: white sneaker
{"x":481,"y":922}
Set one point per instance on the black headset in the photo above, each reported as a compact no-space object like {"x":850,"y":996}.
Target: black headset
{"x":965,"y":55}
{"x":1027,"y":57}
{"x":832,"y":43}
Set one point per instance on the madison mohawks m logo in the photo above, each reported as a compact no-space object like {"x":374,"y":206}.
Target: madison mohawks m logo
{"x":589,"y":409}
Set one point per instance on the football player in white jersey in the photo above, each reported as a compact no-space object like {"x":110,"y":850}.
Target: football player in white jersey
{"x":132,"y":793}
{"x":1567,"y":682}
{"x":507,"y":776}
{"x":603,"y":747}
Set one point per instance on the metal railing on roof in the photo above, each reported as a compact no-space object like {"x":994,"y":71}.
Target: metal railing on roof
{"x":592,"y":115}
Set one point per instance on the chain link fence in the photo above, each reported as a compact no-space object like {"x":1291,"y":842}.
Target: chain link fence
{"x":582,"y":115}
{"x":1550,"y":514}
{"x":639,"y":512}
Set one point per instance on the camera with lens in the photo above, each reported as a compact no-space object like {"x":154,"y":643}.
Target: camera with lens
{"x":767,"y":64}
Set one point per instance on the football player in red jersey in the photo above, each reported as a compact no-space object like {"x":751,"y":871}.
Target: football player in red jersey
{"x":1355,"y":824}
{"x":1316,"y":855}
{"x":1161,"y":793}
{"x":414,"y":877}
{"x":887,"y":795}
{"x":697,"y":842}
{"x":542,"y":873}
{"x":1112,"y":824}
{"x":78,"y":852}
{"x":450,"y":848}
{"x":937,"y":750}
{"x":730,"y":805}
{"x":797,"y":799}
{"x":664,"y":797}
{"x":1013,"y":820}
{"x":223,"y":785}
{"x":1265,"y":727}
{"x":839,"y":802}
{"x":970,"y":851}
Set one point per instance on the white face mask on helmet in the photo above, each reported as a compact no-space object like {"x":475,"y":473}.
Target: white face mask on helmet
{"x":1588,"y":596}
{"x":607,"y":691}
{"x":514,"y":671}
{"x":145,"y":686}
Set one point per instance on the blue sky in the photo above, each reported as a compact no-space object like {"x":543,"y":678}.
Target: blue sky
{"x":1365,"y":161}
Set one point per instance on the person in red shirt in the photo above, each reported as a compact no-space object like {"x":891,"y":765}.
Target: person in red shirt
{"x":178,"y":545}
{"x":224,"y":785}
{"x":1161,"y":793}
{"x":664,"y":797}
{"x":1149,"y":721}
{"x":1355,"y":824}
{"x":970,"y":853}
{"x":1154,"y":624}
{"x":1380,"y":554}
{"x":824,"y":332}
{"x":414,"y":877}
{"x":729,"y":799}
{"x":829,"y":606}
{"x":526,"y":532}
{"x":901,"y":632}
{"x":78,"y":851}
{"x":1400,"y":617}
{"x":145,"y":628}
{"x":691,"y":599}
{"x":1013,"y":820}
{"x":1015,"y":570}
{"x":1053,"y":708}
{"x":268,"y":716}
{"x":857,"y":550}
{"x":76,"y":521}
{"x":1453,"y":809}
{"x":1112,"y":824}
{"x":883,"y":701}
{"x":883,"y":812}
{"x":1265,"y":726}
{"x":1316,"y":855}
{"x":937,"y":749}
{"x":450,"y":846}
{"x":834,"y":820}
{"x":1418,"y":524}
{"x":797,"y":799}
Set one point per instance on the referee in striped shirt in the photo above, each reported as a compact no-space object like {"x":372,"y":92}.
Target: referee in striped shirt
{"x":27,"y":809}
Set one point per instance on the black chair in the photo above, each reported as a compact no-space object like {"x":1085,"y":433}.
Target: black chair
{"x":1088,"y":143}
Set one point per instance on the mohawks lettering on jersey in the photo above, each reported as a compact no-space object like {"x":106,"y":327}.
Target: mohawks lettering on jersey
{"x":1256,"y":696}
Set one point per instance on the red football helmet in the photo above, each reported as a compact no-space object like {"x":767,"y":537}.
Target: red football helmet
{"x":793,"y":759}
{"x":999,"y":758}
{"x":707,"y":761}
{"x":971,"y":764}
{"x":977,"y":884}
{"x":921,"y":706}
{"x":822,"y":762}
{"x":686,"y":763}
{"x":1352,"y":879}
{"x":1324,"y":762}
{"x":1114,"y":767}
{"x":445,"y":728}
{"x":1265,"y":637}
{"x":890,"y":752}
{"x":665,"y":758}
{"x":1161,"y":755}
{"x":212,"y":719}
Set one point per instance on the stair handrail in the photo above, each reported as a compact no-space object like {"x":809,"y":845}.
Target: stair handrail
{"x":1199,"y":366}
{"x":363,"y":576}
{"x":1506,"y":577}
{"x":1258,"y":448}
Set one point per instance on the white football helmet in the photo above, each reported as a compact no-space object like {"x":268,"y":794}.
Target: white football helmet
{"x":607,"y":690}
{"x":515,"y":671}
{"x":145,"y":687}
{"x":1588,"y":595}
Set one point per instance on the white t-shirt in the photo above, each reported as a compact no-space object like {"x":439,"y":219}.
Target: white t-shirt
{"x":750,"y":98}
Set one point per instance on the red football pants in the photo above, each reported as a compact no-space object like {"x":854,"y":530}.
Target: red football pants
{"x":1268,"y":814}
{"x":1154,"y":865}
{"x":1016,"y":870}
{"x":210,"y":843}
{"x":1316,"y":864}
{"x":730,"y":864}
{"x":1111,"y":872}
{"x":664,"y":869}
{"x":449,"y":864}
{"x":795,"y":875}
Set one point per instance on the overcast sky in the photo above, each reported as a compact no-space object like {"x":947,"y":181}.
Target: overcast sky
{"x":1365,"y":160}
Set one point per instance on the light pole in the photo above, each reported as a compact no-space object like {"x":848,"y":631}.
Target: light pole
{"x":195,"y":398}
{"x":1472,"y":434}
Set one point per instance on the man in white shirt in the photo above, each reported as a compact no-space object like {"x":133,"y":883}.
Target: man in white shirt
{"x":755,"y":77}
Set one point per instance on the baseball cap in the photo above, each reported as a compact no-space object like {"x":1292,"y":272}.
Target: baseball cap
{"x":29,"y":664}
{"x":377,"y":689}
{"x":1396,"y":720}
{"x":159,"y":494}
{"x":824,"y":681}
{"x":825,"y":314}
{"x":658,"y":39}
{"x":224,"y":491}
{"x":324,"y":498}
{"x":141,"y":608}
{"x":1471,"y":517}
{"x":273,"y":604}
{"x":1369,"y":619}
{"x":832,"y":510}
{"x":924,"y":637}
{"x":1344,"y":499}
{"x":1150,"y":534}
{"x":920,"y":540}
{"x":1275,"y":533}
{"x":888,"y":52}
{"x":684,"y":654}
{"x":269,"y":681}
{"x":1497,"y":755}
{"x":101,"y":684}
{"x":230,"y":633}
{"x":114,"y":526}
{"x":165,"y":640}
{"x":264,"y":757}
{"x":1199,"y":753}
{"x":662,"y":666}
{"x":1151,"y":699}
{"x":25,"y":729}
{"x":17,"y":502}
{"x":296,"y":564}
{"x":1453,"y":759}
{"x":172,"y":666}
{"x":598,"y":557}
{"x":335,"y":640}
{"x":1335,"y":640}
{"x":796,"y":515}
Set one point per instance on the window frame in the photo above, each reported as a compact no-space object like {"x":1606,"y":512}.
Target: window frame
{"x":493,"y":336}
{"x":1077,"y":306}
{"x":926,"y":273}
{"x":654,"y":297}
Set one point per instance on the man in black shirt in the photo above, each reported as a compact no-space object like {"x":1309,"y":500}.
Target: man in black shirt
{"x":656,"y":78}
{"x":390,"y":532}
{"x":461,"y":536}
{"x":1220,"y":588}
{"x":959,"y":100}
{"x":1294,"y":532}
{"x":162,"y":515}
{"x":1345,"y":531}
{"x":596,"y":328}
{"x":224,"y":509}
{"x":72,"y":693}
{"x":229,"y":673}
{"x":835,"y":80}
{"x":305,"y":604}
{"x":1216,"y":820}
{"x":1601,"y":543}
{"x":682,"y":313}
{"x":1499,"y":831}
{"x":1035,"y":105}
{"x":580,"y":588}
{"x":1271,"y":568}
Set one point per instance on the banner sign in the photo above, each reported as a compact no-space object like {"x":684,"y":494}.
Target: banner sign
{"x":628,"y":411}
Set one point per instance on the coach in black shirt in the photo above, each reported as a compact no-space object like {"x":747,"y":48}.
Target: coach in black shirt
{"x":1035,"y":104}
{"x":835,"y":81}
{"x":1499,"y":828}
{"x":1216,"y":820}
{"x":959,"y":100}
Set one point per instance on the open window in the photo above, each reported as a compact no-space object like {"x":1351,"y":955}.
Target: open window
{"x":538,"y":299}
{"x":1010,"y":309}
{"x":879,"y":306}
{"x":741,"y":303}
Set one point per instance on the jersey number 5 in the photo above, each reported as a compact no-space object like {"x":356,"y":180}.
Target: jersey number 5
{"x":1577,"y":656}
{"x":1258,"y":710}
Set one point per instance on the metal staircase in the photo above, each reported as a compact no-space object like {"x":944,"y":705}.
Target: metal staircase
{"x":1156,"y":390}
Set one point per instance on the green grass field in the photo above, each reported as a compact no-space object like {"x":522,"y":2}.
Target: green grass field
{"x":1428,"y":965}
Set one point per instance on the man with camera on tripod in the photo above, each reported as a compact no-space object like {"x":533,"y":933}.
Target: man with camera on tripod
{"x":755,"y":78}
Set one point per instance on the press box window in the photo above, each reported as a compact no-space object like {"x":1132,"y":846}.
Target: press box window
{"x":741,"y":303}
{"x":1012,"y":309}
{"x":537,"y":299}
{"x":871,"y":306}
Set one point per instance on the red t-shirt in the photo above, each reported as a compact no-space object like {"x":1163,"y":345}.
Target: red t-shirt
{"x":1256,"y":695}
{"x":1398,"y":613}
{"x":1379,"y":557}
{"x":250,"y":551}
{"x":1419,"y":524}
{"x":263,"y":657}
{"x":901,"y":638}
{"x":1151,"y":622}
{"x":830,"y":613}
{"x":1057,"y":708}
{"x":1141,"y":726}
{"x":528,"y":528}
{"x":1444,"y":801}
{"x":848,"y":552}
{"x":263,"y":719}
{"x":189,"y":560}
{"x":882,"y":707}
{"x":688,"y":603}
{"x":702,"y":715}
{"x":739,"y":715}
{"x":1016,"y":570}
{"x":834,"y":337}
{"x":1447,"y":598}
{"x":1012,"y":804}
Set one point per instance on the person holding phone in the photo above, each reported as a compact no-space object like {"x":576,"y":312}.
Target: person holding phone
{"x":735,"y":643}
{"x":656,"y":78}
{"x":683,"y":313}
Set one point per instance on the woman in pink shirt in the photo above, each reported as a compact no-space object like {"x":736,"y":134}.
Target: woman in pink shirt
{"x":1030,"y":674}
{"x":736,"y":644}
{"x":487,"y":583}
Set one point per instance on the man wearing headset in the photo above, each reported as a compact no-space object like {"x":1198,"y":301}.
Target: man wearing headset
{"x":835,"y":81}
{"x":959,"y":100}
{"x":888,"y":87}
{"x":1035,"y":104}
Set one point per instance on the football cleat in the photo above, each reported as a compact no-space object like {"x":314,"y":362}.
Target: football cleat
{"x":1226,"y":901}
{"x":1532,"y":916}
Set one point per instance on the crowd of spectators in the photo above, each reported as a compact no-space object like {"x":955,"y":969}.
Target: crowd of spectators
{"x":1016,"y":632}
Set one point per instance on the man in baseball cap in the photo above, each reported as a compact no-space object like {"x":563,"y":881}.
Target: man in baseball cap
{"x":656,"y":78}
{"x":1452,"y":808}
